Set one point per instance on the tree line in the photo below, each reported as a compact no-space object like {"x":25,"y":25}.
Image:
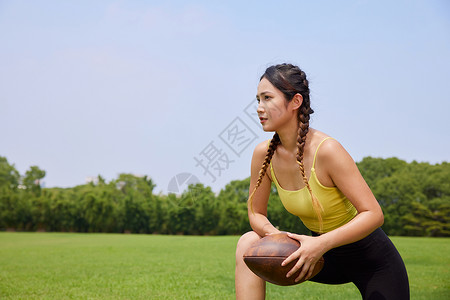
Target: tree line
{"x":415,"y":198}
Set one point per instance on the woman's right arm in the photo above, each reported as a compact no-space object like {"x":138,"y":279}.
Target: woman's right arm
{"x":257,"y":208}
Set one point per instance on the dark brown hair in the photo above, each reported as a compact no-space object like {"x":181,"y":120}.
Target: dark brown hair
{"x":291,"y":80}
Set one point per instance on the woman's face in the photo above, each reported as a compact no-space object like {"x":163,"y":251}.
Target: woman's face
{"x":273,"y":109}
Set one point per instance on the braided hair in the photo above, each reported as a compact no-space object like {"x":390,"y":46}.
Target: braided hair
{"x":291,"y":80}
{"x":270,"y":151}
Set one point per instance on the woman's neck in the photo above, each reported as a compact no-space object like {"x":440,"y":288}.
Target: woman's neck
{"x":288,"y":137}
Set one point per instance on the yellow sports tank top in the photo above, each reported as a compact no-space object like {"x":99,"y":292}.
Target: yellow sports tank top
{"x":337,"y":209}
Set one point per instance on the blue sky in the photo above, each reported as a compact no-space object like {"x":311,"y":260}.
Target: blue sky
{"x":155,"y":87}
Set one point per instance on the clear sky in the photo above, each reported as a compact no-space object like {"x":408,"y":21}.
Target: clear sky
{"x":162,"y":88}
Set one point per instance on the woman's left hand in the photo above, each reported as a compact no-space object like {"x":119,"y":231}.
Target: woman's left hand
{"x":309,"y":253}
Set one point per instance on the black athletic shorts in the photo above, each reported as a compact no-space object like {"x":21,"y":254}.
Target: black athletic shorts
{"x":373,"y":264}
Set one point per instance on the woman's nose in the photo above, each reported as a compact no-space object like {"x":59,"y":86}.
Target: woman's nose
{"x":260,"y":108}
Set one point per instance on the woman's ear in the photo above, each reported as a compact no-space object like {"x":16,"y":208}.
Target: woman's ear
{"x":297,"y":101}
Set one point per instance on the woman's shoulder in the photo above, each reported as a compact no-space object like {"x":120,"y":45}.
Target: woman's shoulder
{"x":260,"y":152}
{"x":261,"y":148}
{"x":259,"y":156}
{"x":325,"y":145}
{"x":322,"y":139}
{"x":329,"y":150}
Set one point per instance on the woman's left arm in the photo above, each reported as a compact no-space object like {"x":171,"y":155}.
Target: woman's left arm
{"x":344,"y":173}
{"x":338,"y":166}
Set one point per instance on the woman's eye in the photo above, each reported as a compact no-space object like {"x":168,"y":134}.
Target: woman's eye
{"x":264,"y":97}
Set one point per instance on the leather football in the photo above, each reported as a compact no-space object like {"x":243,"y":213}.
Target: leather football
{"x":265,"y":256}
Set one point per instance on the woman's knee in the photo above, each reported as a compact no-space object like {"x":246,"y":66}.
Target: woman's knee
{"x":246,"y":240}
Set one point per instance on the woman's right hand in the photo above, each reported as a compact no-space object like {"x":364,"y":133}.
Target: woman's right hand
{"x":311,"y":250}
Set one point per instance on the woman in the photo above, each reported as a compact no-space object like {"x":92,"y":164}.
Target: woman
{"x":318,"y":181}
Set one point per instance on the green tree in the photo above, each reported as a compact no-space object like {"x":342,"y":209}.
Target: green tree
{"x":9,"y":196}
{"x":136,"y":202}
{"x":99,"y":213}
{"x":158,"y":212}
{"x":415,"y":198}
{"x":233,"y":207}
{"x":9,"y":216}
{"x":207,"y":212}
{"x":9,"y":176}
{"x":64,"y":211}
{"x":32,"y":179}
{"x":375,"y":169}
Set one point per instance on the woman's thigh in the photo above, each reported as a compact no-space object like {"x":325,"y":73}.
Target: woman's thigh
{"x":362,"y":261}
{"x":386,"y":277}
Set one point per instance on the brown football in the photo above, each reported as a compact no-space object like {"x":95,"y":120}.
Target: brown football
{"x":265,"y":256}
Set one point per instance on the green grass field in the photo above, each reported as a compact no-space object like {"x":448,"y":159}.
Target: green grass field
{"x":114,"y":266}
